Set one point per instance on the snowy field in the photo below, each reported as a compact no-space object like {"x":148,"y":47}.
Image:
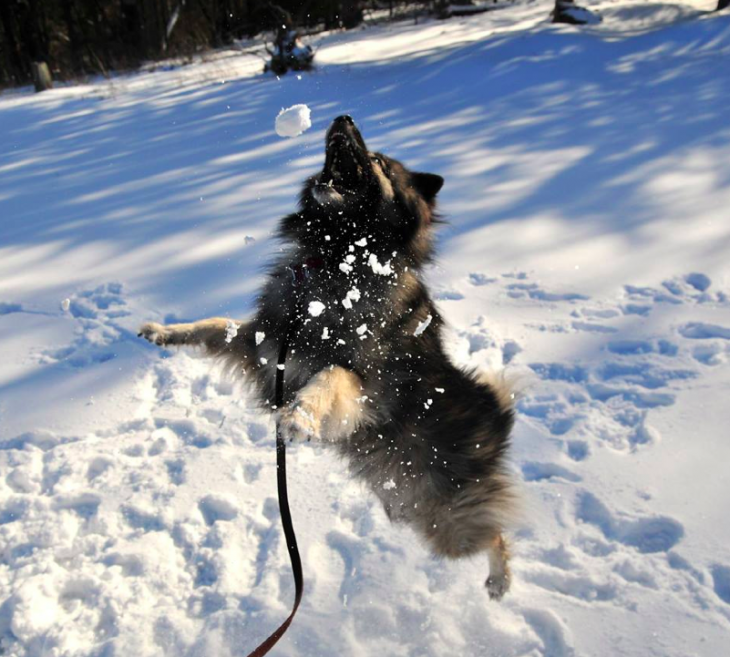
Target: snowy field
{"x":588,"y":250}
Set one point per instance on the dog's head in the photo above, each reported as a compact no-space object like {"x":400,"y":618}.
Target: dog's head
{"x":352,"y":174}
{"x":356,"y":183}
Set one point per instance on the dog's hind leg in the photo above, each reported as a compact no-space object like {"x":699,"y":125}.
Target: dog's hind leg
{"x":500,"y":577}
{"x":216,"y":335}
{"x":329,"y":407}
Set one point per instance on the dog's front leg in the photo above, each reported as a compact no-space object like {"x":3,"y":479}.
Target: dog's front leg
{"x":216,"y":335}
{"x":330,"y":407}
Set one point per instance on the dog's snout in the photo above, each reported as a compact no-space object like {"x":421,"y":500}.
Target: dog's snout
{"x":345,"y":118}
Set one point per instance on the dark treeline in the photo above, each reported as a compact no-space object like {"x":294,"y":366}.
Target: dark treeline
{"x":78,"y":37}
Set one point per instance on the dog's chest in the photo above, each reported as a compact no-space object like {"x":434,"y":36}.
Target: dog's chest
{"x":341,"y":313}
{"x":343,"y":307}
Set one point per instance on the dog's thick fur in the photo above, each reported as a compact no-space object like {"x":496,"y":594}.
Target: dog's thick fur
{"x":369,"y":373}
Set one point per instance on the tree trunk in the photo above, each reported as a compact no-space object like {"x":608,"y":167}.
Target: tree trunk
{"x":73,"y":38}
{"x":18,"y":66}
{"x":350,"y":13}
{"x":41,"y":76}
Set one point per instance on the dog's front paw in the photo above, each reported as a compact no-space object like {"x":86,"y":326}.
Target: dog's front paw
{"x":498,"y":585}
{"x":155,"y":333}
{"x":298,"y":422}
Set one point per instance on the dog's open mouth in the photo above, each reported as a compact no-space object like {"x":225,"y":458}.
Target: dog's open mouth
{"x":346,"y":164}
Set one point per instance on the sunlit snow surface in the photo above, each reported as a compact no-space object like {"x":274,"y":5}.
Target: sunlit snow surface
{"x":587,"y":190}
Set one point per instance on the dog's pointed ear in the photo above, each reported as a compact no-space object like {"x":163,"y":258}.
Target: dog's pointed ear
{"x":427,"y":184}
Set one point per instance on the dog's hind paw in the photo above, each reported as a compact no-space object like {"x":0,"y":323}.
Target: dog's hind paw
{"x":498,"y":585}
{"x":296,"y":422}
{"x":155,"y":333}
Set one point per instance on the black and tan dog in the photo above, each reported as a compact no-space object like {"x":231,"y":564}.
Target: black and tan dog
{"x":366,"y":369}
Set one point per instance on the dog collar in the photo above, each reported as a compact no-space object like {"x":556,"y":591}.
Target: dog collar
{"x":300,"y":273}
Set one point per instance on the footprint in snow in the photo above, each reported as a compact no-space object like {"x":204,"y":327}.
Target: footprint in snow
{"x":721,"y":581}
{"x":646,"y":534}
{"x":84,"y":505}
{"x":703,"y":331}
{"x":216,"y":508}
{"x":478,"y":279}
{"x":691,"y":288}
{"x":592,"y":327}
{"x":581,"y":586}
{"x":187,"y":430}
{"x":712,"y":354}
{"x":103,"y":302}
{"x":176,"y":471}
{"x":480,"y":340}
{"x":610,"y":401}
{"x":210,"y":602}
{"x":534,"y":471}
{"x":8,"y":308}
{"x":578,"y":450}
{"x":350,"y":549}
{"x":537,"y":293}
{"x":556,"y":638}
{"x":96,"y":312}
{"x":143,"y":519}
{"x":448,"y":295}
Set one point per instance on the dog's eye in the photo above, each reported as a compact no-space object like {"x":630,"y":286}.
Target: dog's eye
{"x":377,"y":160}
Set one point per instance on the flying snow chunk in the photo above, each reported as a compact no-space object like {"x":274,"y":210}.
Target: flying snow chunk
{"x":352,"y":295}
{"x":422,"y":326}
{"x":231,"y":330}
{"x":260,"y":335}
{"x":378,"y":268}
{"x":293,"y":121}
{"x":65,"y":305}
{"x":361,"y":329}
{"x":316,"y":308}
{"x":389,"y":485}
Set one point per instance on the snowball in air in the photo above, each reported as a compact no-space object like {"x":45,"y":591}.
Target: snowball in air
{"x":65,"y":305}
{"x":293,"y":121}
{"x":316,"y":308}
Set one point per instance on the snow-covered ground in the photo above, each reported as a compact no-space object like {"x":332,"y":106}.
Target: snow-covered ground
{"x":587,"y":186}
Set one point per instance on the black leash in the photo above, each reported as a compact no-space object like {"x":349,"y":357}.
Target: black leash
{"x":286,"y":521}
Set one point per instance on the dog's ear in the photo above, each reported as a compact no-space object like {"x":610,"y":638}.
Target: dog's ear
{"x":427,"y":184}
